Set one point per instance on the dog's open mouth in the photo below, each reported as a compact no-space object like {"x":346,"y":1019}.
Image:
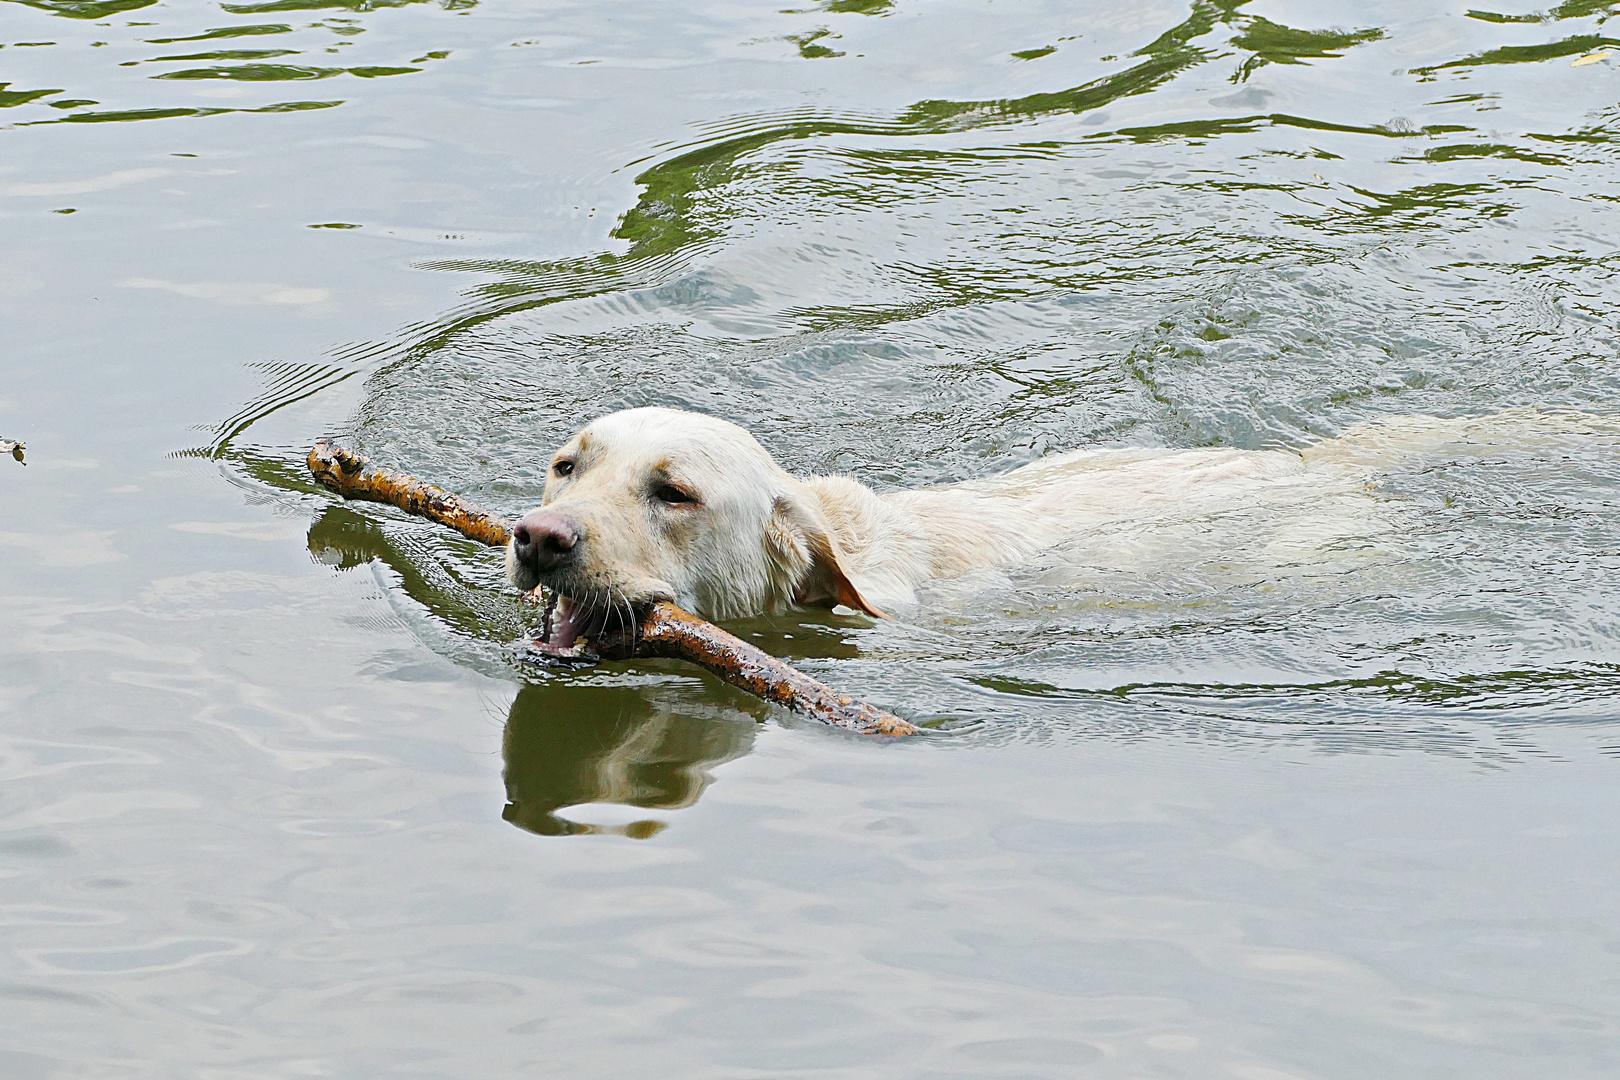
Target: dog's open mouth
{"x":572,"y":632}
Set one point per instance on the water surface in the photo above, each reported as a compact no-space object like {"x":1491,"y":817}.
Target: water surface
{"x":1315,"y":787}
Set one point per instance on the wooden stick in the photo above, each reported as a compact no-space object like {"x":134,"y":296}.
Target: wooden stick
{"x":670,"y":631}
{"x":665,"y":630}
{"x":354,"y":477}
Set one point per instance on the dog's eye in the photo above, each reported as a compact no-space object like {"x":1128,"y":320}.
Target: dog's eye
{"x":562,"y":468}
{"x":674,"y":496}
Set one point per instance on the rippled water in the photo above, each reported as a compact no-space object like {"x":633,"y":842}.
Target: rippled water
{"x":1316,"y":784}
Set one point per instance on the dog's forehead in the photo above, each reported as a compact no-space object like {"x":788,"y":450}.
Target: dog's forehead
{"x":668,"y":439}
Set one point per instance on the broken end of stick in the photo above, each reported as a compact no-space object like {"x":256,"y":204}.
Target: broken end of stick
{"x":354,"y":476}
{"x":670,"y":631}
{"x":871,"y":720}
{"x":331,"y":462}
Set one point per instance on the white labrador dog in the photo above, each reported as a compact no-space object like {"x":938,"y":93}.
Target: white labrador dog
{"x":658,"y":504}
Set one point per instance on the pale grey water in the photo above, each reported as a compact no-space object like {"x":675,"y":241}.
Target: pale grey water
{"x":276,"y":803}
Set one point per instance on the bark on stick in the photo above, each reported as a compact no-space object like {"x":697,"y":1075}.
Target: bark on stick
{"x":665,"y":630}
{"x":355,"y":477}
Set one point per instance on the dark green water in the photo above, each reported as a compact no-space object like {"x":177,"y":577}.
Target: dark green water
{"x":1318,"y":788}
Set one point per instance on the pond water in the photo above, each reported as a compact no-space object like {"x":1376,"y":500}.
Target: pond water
{"x":1290,"y":789}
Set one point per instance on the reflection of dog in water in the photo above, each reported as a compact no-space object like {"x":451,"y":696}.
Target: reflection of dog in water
{"x":567,"y":745}
{"x":570,"y":745}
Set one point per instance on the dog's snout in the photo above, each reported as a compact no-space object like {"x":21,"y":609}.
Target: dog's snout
{"x":544,"y":539}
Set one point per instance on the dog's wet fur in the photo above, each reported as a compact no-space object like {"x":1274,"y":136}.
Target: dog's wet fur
{"x":658,"y":504}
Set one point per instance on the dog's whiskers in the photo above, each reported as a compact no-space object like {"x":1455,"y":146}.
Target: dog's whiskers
{"x":628,"y":619}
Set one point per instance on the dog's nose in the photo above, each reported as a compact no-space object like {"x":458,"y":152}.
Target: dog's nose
{"x":544,"y":539}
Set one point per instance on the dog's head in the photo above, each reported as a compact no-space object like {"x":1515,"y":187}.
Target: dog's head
{"x":658,"y":504}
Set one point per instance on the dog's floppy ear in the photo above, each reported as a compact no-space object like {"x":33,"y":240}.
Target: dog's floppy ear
{"x":804,"y":548}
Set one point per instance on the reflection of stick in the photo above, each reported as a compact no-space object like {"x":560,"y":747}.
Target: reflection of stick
{"x":665,"y":629}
